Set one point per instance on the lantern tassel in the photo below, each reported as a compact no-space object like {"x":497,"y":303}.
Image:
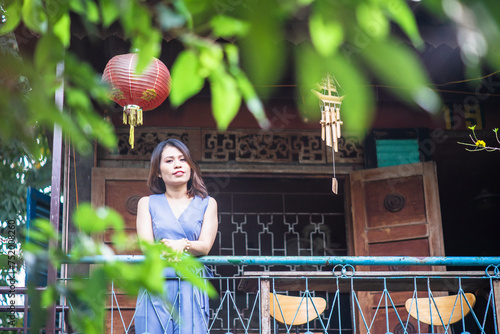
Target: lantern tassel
{"x":132,"y":115}
{"x":131,"y":136}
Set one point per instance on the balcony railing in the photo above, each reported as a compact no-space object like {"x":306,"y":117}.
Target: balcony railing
{"x":352,"y":296}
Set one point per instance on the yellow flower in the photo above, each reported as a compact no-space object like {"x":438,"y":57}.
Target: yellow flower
{"x":480,"y":143}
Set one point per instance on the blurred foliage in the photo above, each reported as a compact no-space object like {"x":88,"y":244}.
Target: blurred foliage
{"x":88,"y":310}
{"x":353,"y":40}
{"x":24,"y":161}
{"x":21,"y":167}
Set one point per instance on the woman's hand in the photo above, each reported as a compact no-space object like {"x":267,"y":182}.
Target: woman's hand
{"x":178,"y":246}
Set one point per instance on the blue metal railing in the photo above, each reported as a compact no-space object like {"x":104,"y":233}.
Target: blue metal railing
{"x":241,"y":305}
{"x":471,"y":261}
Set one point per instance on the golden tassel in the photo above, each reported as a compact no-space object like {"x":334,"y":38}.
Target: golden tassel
{"x":132,"y":115}
{"x":131,"y":136}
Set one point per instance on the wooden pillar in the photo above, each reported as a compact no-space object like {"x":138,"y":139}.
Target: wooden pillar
{"x":265,"y":306}
{"x":55,"y":197}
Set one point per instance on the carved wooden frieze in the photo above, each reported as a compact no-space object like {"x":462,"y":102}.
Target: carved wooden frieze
{"x":218,"y":147}
{"x":146,"y":141}
{"x":302,"y":147}
{"x":263,"y":147}
{"x":350,"y":148}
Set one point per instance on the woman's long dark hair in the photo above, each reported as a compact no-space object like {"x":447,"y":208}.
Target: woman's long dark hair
{"x":195,"y":185}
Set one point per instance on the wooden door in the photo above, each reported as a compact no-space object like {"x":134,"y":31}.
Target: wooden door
{"x":120,"y":189}
{"x":395,"y":212}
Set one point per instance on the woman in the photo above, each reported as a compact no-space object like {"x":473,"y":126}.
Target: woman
{"x":182,"y":216}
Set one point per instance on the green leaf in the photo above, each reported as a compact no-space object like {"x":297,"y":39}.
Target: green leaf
{"x":402,"y":14}
{"x":77,"y":98}
{"x":357,"y":107}
{"x":48,"y":296}
{"x":261,"y":43}
{"x":42,"y":231}
{"x":187,"y":268}
{"x":62,"y":29}
{"x":110,"y":11}
{"x":92,"y":11}
{"x":326,"y":33}
{"x":149,"y":46}
{"x":134,"y":18}
{"x":226,"y":26}
{"x":211,"y":57}
{"x":186,"y":78}
{"x":98,"y":220}
{"x":372,"y":20}
{"x":88,"y":297}
{"x":310,"y":69}
{"x":168,"y":18}
{"x":182,"y":9}
{"x":226,"y":98}
{"x":151,"y":268}
{"x":77,"y":6}
{"x":404,"y":73}
{"x":56,"y":9}
{"x":49,"y":51}
{"x":95,"y":126}
{"x":12,"y":15}
{"x":34,"y":16}
{"x":233,"y":57}
{"x":252,"y":101}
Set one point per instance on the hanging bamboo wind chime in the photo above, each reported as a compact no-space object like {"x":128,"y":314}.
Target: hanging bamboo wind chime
{"x":330,"y":102}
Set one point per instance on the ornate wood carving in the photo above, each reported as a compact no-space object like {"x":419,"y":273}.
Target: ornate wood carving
{"x":285,"y":147}
{"x":131,"y":204}
{"x":304,"y":147}
{"x":145,"y":141}
{"x":394,"y":202}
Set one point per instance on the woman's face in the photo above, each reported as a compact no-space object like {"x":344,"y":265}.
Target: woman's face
{"x":174,"y":169}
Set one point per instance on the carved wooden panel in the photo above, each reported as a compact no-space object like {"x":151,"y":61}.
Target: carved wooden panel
{"x":145,"y":142}
{"x":263,"y":147}
{"x":302,"y":147}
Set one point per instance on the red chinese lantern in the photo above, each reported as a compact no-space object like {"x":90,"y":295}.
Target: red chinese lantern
{"x":136,"y":92}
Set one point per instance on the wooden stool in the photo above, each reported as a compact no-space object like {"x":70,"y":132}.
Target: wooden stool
{"x":293,"y":311}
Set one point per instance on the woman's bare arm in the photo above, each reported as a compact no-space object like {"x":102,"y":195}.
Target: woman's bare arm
{"x":144,"y":225}
{"x":204,"y":244}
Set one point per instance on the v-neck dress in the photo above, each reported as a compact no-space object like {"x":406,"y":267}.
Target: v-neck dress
{"x":183,"y":309}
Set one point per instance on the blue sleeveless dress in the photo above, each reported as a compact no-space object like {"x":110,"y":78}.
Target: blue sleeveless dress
{"x":183,"y":309}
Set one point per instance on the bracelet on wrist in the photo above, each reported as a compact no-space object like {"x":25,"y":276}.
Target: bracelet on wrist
{"x":187,"y":246}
